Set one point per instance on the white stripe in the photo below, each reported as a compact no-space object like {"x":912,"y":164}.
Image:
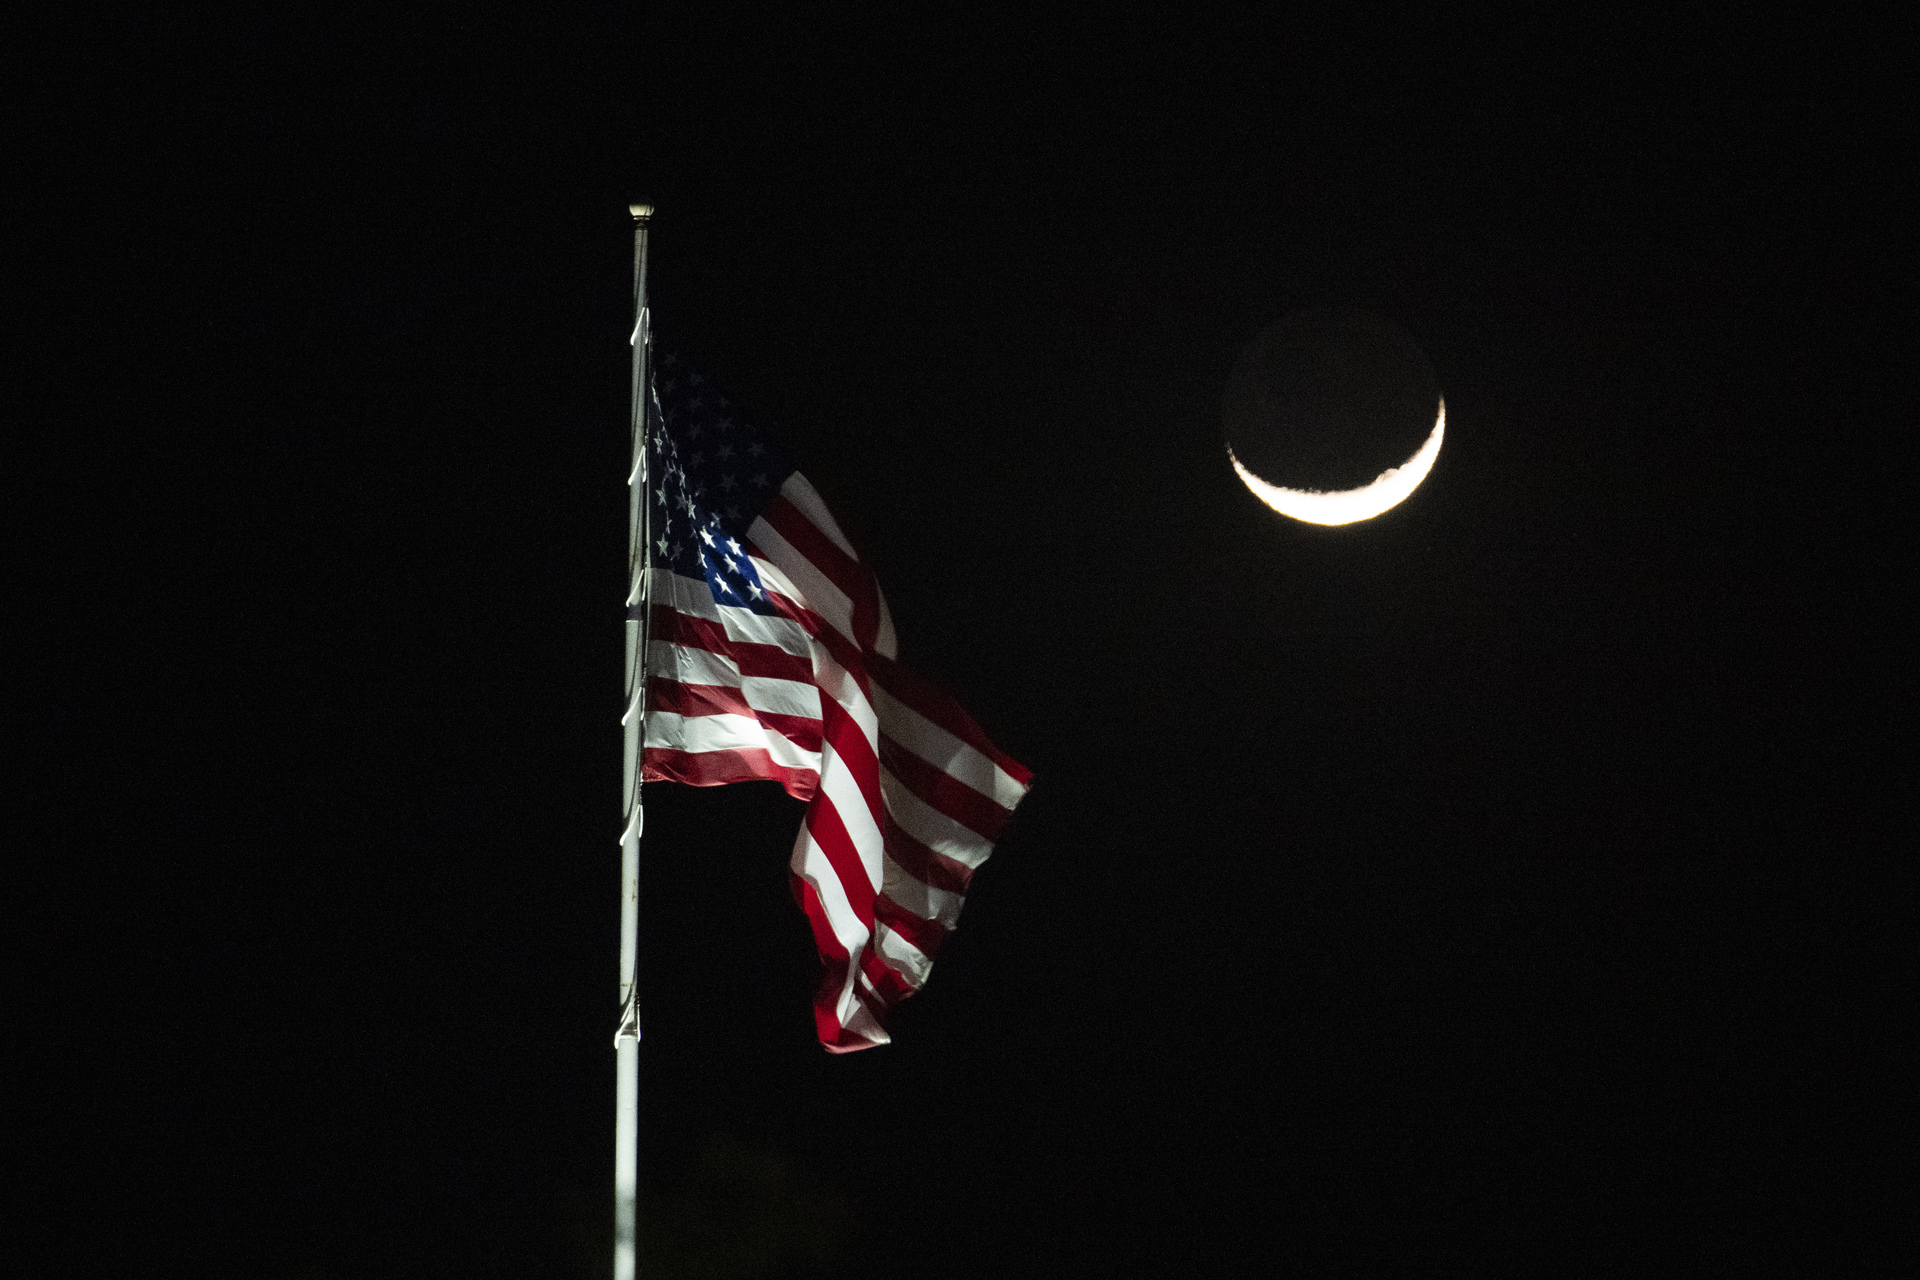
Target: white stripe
{"x":691,"y":665}
{"x":688,"y":595}
{"x":802,"y":494}
{"x":842,"y":791}
{"x":832,"y":679}
{"x":810,"y":863}
{"x":781,"y":697}
{"x":855,"y":1017}
{"x":748,"y":627}
{"x":762,"y":693}
{"x":775,"y":579}
{"x":909,"y":961}
{"x":828,"y":675}
{"x":931,"y":827}
{"x":697,"y":734}
{"x":952,"y":756}
{"x":920,"y":898}
{"x":816,"y":590}
{"x":694,"y":598}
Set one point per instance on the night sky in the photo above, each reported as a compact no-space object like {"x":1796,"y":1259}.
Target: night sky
{"x":1497,"y":884}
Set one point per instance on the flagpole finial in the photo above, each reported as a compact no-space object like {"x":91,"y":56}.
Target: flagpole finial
{"x":640,"y":212}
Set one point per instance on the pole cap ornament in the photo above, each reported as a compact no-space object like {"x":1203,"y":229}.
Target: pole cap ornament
{"x":640,"y":210}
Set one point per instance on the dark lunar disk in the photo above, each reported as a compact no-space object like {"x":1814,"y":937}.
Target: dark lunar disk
{"x":1329,"y":398}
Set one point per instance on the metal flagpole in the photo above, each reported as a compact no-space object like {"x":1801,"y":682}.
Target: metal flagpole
{"x":626,"y":1128}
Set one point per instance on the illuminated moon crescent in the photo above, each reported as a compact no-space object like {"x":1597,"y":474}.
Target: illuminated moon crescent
{"x":1344,"y":506}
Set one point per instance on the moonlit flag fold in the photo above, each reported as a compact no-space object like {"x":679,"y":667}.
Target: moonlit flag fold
{"x":771,"y":656}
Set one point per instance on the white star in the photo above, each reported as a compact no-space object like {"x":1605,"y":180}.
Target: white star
{"x":706,"y":538}
{"x":755,"y":588}
{"x":724,"y":452}
{"x":726,"y":482}
{"x":731,"y":566}
{"x":734,"y":545}
{"x":663,"y":545}
{"x":729,"y":590}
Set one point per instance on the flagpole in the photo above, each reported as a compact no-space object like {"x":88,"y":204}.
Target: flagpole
{"x":626,"y":1128}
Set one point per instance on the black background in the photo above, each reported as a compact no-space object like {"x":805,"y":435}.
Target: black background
{"x":1495,"y":883}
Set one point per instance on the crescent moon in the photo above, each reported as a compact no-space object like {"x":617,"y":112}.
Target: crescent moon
{"x":1344,"y":506}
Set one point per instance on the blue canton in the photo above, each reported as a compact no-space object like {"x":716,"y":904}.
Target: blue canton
{"x":711,"y":476}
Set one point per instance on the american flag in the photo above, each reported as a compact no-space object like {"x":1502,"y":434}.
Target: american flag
{"x":772,"y":656}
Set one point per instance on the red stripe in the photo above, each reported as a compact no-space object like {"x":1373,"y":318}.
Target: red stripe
{"x":847,"y":1041}
{"x":891,"y":984}
{"x":849,"y":743}
{"x":725,"y":700}
{"x":833,"y":964}
{"x":851,"y":660}
{"x":935,"y":870}
{"x":838,"y":647}
{"x":939,"y":706}
{"x":842,"y":650}
{"x":720,"y":768}
{"x":927,"y":935}
{"x":943,"y":791}
{"x":769,"y":660}
{"x":696,"y":699}
{"x":785,"y":605}
{"x":811,"y":541}
{"x":830,"y":832}
{"x":839,"y":568}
